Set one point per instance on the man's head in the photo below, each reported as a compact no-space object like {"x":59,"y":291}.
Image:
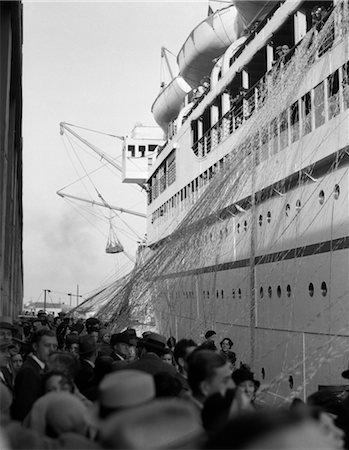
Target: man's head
{"x":182,"y":350}
{"x":88,"y":348}
{"x":208,"y":373}
{"x":210,"y":335}
{"x":153,"y":343}
{"x":121,"y":343}
{"x":6,"y":332}
{"x":44,"y":342}
{"x":94,"y":332}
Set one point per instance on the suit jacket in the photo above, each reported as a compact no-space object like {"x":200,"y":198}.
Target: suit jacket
{"x":27,"y":389}
{"x":85,"y":380}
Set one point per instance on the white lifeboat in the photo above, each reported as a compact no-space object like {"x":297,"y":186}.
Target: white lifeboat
{"x":206,"y":42}
{"x":169,"y":102}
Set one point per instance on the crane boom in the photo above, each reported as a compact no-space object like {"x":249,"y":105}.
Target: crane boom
{"x":93,"y":202}
{"x":64,"y":126}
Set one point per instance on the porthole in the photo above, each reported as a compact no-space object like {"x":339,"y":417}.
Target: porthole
{"x":298,"y":205}
{"x":261,"y":292}
{"x":311,"y":289}
{"x":204,"y":294}
{"x":268,"y":216}
{"x":323,"y":289}
{"x":321,"y":197}
{"x":238,"y":227}
{"x":270,"y":291}
{"x":337,"y":191}
{"x":233,"y":294}
{"x":287,"y":209}
{"x":239,"y":293}
{"x":217,"y":294}
{"x":222,"y":293}
{"x":260,"y":220}
{"x":245,"y":225}
{"x":208,"y":294}
{"x":288,"y":290}
{"x":263,"y":373}
{"x":278,"y":291}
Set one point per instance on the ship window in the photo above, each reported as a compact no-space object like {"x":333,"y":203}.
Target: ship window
{"x":208,"y":294}
{"x":311,"y":289}
{"x":239,"y":293}
{"x":131,"y":149}
{"x":345,"y":84}
{"x":270,"y":291}
{"x":151,"y":147}
{"x":238,"y":227}
{"x":274,"y":136}
{"x":319,"y":105}
{"x":287,"y":209}
{"x":245,"y":225}
{"x":204,"y":294}
{"x":283,"y":130}
{"x":298,"y":205}
{"x":288,"y":290}
{"x":217,"y":294}
{"x":321,"y":197}
{"x":261,"y":292}
{"x":141,"y":149}
{"x":260,"y":220}
{"x":222,"y":293}
{"x":290,"y":381}
{"x":323,"y":289}
{"x":306,"y":113}
{"x":233,"y":294}
{"x":336,"y":191}
{"x":268,"y":216}
{"x":278,"y":291}
{"x":294,"y":122}
{"x":263,"y":373}
{"x":333,"y":95}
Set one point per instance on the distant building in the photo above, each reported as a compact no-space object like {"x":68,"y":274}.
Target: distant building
{"x":51,"y":307}
{"x":11,"y":218}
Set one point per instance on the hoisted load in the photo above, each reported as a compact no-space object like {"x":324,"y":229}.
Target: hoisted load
{"x":113,"y":243}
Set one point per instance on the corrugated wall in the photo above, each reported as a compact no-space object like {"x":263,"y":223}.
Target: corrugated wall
{"x":11,"y":216}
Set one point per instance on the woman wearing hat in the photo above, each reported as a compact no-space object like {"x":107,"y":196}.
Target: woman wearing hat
{"x":245,"y":381}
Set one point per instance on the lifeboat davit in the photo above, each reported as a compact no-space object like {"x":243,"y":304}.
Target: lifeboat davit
{"x":169,"y":102}
{"x":206,"y":42}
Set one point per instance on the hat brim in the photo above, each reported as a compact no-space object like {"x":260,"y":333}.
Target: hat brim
{"x":345,"y":374}
{"x":150,"y":345}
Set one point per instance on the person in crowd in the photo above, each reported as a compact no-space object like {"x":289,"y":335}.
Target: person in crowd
{"x":28,"y":385}
{"x":182,"y":350}
{"x":171,"y":343}
{"x":94,"y":332}
{"x":9,"y":372}
{"x":103,"y":366}
{"x":7,"y":331}
{"x":226,"y":346}
{"x":160,"y":424}
{"x":57,"y":381}
{"x":72,"y":344}
{"x":85,"y":379}
{"x":167,"y":357}
{"x":168,"y":386}
{"x":271,"y":429}
{"x":208,"y":373}
{"x":62,"y":330}
{"x":245,"y":381}
{"x":121,"y":344}
{"x":210,"y":341}
{"x":104,"y":348}
{"x":122,"y":390}
{"x":152,"y":347}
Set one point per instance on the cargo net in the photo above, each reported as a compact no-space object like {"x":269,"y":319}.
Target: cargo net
{"x":168,"y":284}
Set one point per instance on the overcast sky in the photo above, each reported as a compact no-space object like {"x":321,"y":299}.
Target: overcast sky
{"x":95,"y":65}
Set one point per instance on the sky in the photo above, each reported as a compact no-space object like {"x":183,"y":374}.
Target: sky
{"x":95,"y":65}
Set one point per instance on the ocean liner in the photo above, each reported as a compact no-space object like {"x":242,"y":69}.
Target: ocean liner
{"x":247,"y":220}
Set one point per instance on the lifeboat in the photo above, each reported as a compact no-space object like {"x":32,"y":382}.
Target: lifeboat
{"x":206,"y":42}
{"x":253,"y":10}
{"x":169,"y":102}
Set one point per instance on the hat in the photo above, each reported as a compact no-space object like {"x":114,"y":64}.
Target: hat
{"x":71,"y":339}
{"x":125,"y":389}
{"x":87,"y":344}
{"x":209,"y":334}
{"x":161,"y":424}
{"x":7,"y":323}
{"x":154,"y":341}
{"x":241,"y":375}
{"x":124,"y":338}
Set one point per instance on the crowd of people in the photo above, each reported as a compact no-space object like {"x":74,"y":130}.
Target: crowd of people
{"x":72,"y":384}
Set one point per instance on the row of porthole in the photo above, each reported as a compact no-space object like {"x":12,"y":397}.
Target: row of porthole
{"x":311,"y":290}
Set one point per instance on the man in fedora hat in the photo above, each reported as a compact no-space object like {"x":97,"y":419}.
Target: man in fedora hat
{"x":121,"y":344}
{"x":85,"y":379}
{"x":152,"y":347}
